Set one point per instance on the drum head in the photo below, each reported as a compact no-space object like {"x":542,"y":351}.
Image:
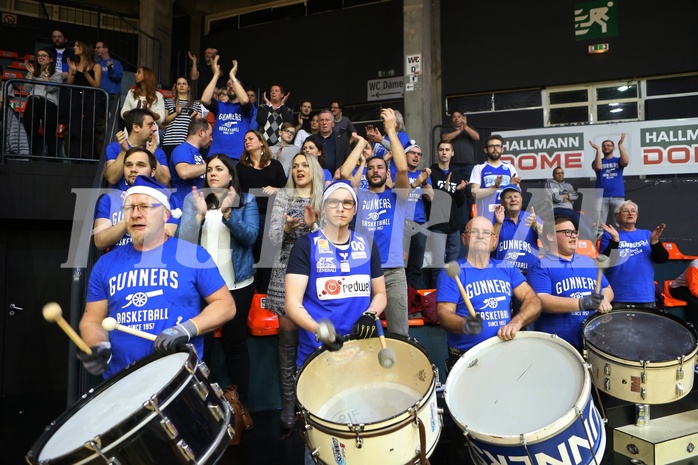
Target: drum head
{"x":113,"y":405}
{"x":508,"y":388}
{"x":350,"y":385}
{"x":640,"y":335}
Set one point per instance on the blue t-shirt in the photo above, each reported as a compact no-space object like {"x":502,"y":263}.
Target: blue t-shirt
{"x":151,"y":291}
{"x":486,"y":176}
{"x":490,"y":291}
{"x":185,"y":153}
{"x":232,"y":123}
{"x":518,"y":243}
{"x":113,"y":151}
{"x":415,"y":209}
{"x":381,"y":218}
{"x":610,"y":177}
{"x":559,"y":277}
{"x":632,"y":278}
{"x":380,"y":151}
{"x":339,"y":282}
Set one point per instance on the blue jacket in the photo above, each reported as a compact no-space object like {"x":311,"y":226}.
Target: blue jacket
{"x":244,"y":227}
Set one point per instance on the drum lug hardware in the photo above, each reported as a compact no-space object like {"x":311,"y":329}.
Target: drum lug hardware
{"x":679,"y":389}
{"x":643,"y":393}
{"x":191,"y":368}
{"x":679,"y":373}
{"x":607,"y":384}
{"x":185,"y":450}
{"x":607,"y":370}
{"x":96,"y":445}
{"x":643,"y":376}
{"x":167,"y":425}
{"x":231,"y":431}
{"x":633,"y":449}
{"x":690,"y":447}
{"x":217,"y":390}
{"x":217,"y":411}
{"x":357,"y":429}
{"x":201,"y":389}
{"x":204,"y":369}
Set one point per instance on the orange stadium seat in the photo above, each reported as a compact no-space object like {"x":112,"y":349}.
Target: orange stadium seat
{"x":586,"y":247}
{"x":11,"y":75}
{"x":675,"y":253}
{"x":260,"y":321}
{"x":670,"y":301}
{"x":17,"y":65}
{"x":166,"y":93}
{"x":18,"y":105}
{"x":29,"y":57}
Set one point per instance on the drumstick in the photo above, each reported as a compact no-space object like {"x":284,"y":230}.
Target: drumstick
{"x":386,"y":356}
{"x":52,"y":312}
{"x":110,"y":324}
{"x":453,"y":270}
{"x":602,"y":263}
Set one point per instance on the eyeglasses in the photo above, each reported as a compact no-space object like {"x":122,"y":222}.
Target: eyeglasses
{"x":290,"y":132}
{"x":568,"y":232}
{"x":494,"y":146}
{"x":334,"y":108}
{"x":626,"y":211}
{"x":416,"y":153}
{"x":42,"y":56}
{"x":478,"y":233}
{"x":143,"y":208}
{"x":346,"y":203}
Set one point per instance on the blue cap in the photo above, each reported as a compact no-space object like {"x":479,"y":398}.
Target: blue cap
{"x":510,"y":187}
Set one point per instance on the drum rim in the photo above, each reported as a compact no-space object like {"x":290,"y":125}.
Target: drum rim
{"x":589,"y":345}
{"x":53,"y":427}
{"x":545,"y":432}
{"x":386,"y":423}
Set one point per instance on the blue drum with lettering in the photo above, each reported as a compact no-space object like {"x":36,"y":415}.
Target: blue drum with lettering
{"x":527,"y":400}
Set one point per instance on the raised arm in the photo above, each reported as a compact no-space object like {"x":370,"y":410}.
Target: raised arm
{"x":624,"y":158}
{"x":207,"y":94}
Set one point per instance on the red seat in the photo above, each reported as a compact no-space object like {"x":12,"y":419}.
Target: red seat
{"x":670,"y":301}
{"x":9,"y":55}
{"x":11,"y":75}
{"x":17,"y":65}
{"x":18,"y":105}
{"x":166,"y":93}
{"x":260,"y":321}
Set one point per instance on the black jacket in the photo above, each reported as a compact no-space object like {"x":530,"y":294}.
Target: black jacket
{"x":446,"y":202}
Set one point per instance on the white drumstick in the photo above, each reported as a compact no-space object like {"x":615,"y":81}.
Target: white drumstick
{"x":110,"y":324}
{"x":53,"y":312}
{"x":602,"y":262}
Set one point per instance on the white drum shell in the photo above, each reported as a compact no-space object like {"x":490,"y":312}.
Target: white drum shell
{"x":388,"y":437}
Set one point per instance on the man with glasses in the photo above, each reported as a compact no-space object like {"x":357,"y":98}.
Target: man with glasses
{"x":609,"y":177}
{"x":490,"y":286}
{"x":566,"y":284}
{"x":154,"y":284}
{"x":487,"y":177}
{"x":333,"y":273}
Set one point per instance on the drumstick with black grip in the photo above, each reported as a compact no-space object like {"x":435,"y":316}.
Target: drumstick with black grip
{"x":386,"y":356}
{"x":52,"y":312}
{"x":473,"y":323}
{"x":110,"y":324}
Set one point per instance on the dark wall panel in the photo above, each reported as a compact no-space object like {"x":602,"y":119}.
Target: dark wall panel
{"x":489,"y":46}
{"x":318,"y":57}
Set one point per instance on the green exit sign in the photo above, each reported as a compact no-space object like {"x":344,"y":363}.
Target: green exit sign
{"x":386,"y":73}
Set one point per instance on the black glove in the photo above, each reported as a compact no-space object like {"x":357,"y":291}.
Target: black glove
{"x":472,"y":326}
{"x":590,"y":302}
{"x":170,"y":339}
{"x":365,"y":326}
{"x":328,"y":336}
{"x":98,"y":362}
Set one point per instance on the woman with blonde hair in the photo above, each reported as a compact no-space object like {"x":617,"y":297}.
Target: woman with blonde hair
{"x":145,"y":95}
{"x":296,"y":213}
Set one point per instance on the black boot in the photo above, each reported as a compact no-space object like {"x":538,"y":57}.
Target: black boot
{"x":288,"y":349}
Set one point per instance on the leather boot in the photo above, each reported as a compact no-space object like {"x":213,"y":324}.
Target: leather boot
{"x":288,"y":349}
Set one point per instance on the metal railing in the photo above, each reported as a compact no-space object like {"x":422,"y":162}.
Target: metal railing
{"x":71,"y":126}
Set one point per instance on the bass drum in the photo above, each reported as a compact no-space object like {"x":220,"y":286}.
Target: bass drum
{"x":641,"y":356}
{"x":527,"y":400}
{"x":357,"y":412}
{"x":159,"y":410}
